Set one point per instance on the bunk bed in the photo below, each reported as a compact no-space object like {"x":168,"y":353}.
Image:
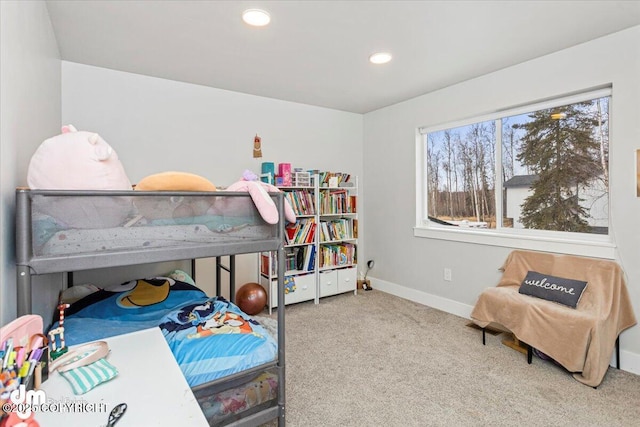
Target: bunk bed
{"x":66,"y":231}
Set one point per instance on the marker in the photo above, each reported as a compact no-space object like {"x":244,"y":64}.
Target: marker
{"x":37,"y":343}
{"x":12,"y":359}
{"x":36,"y":354}
{"x":32,"y":367}
{"x":24,"y":370}
{"x":20,"y":357}
{"x":7,"y":353}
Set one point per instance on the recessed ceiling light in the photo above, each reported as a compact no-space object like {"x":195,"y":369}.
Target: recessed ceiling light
{"x":380,"y":58}
{"x":256,"y":17}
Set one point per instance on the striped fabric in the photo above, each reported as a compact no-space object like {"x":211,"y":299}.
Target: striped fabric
{"x":85,"y":378}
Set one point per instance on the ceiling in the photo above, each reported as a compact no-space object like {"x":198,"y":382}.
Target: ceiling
{"x":316,"y":52}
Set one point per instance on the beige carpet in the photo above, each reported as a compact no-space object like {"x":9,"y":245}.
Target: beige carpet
{"x":379,"y":360}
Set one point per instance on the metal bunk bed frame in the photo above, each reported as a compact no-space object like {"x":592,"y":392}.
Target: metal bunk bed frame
{"x":28,"y":265}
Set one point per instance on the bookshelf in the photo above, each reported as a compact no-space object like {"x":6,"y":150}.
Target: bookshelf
{"x":321,"y":247}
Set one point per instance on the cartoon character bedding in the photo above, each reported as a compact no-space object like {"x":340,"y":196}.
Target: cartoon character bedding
{"x":209,"y":337}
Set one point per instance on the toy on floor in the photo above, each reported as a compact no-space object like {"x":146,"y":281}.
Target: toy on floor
{"x":251,"y":298}
{"x":258,"y":191}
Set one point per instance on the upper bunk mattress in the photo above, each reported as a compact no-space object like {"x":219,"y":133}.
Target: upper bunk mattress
{"x":54,"y":224}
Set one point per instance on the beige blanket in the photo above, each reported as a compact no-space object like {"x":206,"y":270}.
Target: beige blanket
{"x":582,"y":339}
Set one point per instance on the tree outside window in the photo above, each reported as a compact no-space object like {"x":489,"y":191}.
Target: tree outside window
{"x":554,"y":172}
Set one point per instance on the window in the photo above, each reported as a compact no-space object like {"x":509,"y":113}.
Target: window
{"x":460,"y":175}
{"x":540,"y":171}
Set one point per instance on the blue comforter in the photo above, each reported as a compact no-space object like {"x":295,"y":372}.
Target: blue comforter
{"x":209,"y":337}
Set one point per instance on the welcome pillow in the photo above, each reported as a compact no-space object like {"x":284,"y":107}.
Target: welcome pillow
{"x":557,"y":289}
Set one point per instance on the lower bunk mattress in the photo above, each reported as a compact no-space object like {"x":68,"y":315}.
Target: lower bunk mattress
{"x":211,"y":338}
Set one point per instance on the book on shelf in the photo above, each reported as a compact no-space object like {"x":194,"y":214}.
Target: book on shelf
{"x":309,"y":259}
{"x":301,"y":253}
{"x":291,"y":259}
{"x":301,"y":201}
{"x":337,"y":255}
{"x":302,"y":232}
{"x":291,"y":230}
{"x":337,"y":202}
{"x":311,"y":234}
{"x":312,"y":259}
{"x":337,"y":229}
{"x":338,"y":177}
{"x":265,"y":268}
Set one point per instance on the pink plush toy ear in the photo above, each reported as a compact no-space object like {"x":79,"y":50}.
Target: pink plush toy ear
{"x":68,"y":129}
{"x":289,"y":214}
{"x":261,"y":199}
{"x":267,"y":208}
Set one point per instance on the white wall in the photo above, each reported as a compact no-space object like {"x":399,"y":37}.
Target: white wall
{"x":29,"y":113}
{"x":413,"y":267}
{"x":159,"y":125}
{"x":515,"y":198}
{"x":591,"y":198}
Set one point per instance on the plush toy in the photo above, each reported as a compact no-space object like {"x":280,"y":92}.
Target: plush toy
{"x":175,"y":181}
{"x":79,"y":160}
{"x":76,"y":160}
{"x":258,"y":191}
{"x":167,"y":208}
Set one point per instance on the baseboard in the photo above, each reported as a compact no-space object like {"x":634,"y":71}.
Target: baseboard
{"x":434,"y":301}
{"x":629,"y":361}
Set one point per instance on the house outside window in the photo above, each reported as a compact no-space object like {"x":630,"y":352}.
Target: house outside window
{"x":533,"y":172}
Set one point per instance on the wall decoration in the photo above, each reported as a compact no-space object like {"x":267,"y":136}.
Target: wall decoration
{"x":257,"y":147}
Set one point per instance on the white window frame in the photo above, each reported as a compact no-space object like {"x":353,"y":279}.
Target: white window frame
{"x":585,"y":244}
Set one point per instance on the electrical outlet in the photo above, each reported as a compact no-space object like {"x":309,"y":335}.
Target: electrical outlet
{"x":447,"y":274}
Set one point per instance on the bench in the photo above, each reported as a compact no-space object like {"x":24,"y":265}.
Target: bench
{"x":581,"y":339}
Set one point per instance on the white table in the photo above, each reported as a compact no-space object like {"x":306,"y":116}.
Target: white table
{"x":149,"y":381}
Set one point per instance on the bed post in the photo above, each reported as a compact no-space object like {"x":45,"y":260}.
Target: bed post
{"x":24,"y":290}
{"x":23,"y":251}
{"x":232,"y":278}
{"x":281,"y":359}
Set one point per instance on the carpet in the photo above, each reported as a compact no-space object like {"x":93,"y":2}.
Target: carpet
{"x":378,"y":360}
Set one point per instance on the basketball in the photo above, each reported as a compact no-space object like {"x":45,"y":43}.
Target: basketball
{"x":251,"y":298}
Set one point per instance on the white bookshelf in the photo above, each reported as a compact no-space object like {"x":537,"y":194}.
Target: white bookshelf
{"x":325,"y":262}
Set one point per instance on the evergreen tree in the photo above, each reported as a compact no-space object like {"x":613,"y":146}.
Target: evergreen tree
{"x":559,"y":146}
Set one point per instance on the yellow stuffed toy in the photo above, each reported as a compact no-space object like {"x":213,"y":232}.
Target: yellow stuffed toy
{"x":173,"y":207}
{"x":175,"y":181}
